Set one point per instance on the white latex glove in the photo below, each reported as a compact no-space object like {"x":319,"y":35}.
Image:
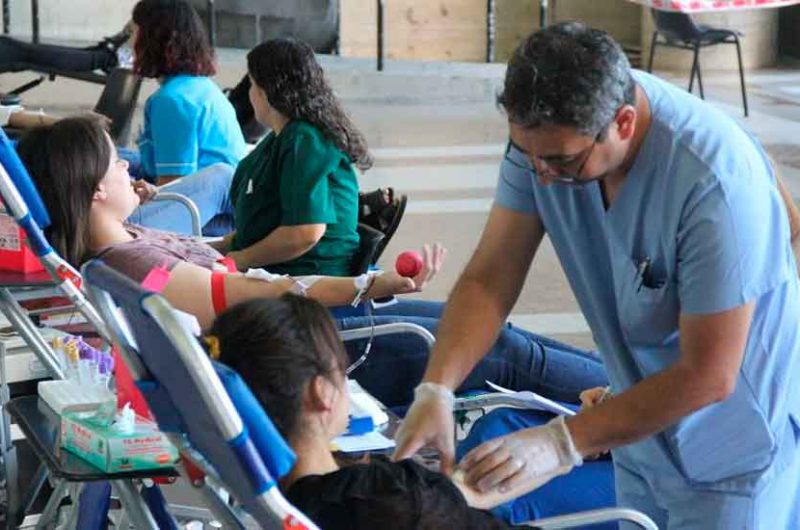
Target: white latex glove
{"x":511,"y":461}
{"x":429,"y":422}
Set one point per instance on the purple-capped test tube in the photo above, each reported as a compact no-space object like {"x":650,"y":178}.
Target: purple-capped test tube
{"x":105,"y":368}
{"x":87,"y":373}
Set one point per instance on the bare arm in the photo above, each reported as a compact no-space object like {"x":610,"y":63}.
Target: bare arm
{"x":223,"y":245}
{"x":189,"y":287}
{"x":712,"y":348}
{"x":163,"y":180}
{"x":484,"y":295}
{"x":282,"y":244}
{"x":30,"y":120}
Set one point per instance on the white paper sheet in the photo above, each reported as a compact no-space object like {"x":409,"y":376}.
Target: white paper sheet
{"x":371,"y":441}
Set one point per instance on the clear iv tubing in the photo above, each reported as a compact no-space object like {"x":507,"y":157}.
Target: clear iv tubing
{"x":358,"y":362}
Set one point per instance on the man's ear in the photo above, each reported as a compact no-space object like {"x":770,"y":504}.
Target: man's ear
{"x":626,"y":122}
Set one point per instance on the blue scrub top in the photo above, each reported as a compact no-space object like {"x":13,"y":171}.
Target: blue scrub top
{"x":700,"y":205}
{"x":189,"y":124}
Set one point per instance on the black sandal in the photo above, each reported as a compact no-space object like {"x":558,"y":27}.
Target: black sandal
{"x":381,"y":215}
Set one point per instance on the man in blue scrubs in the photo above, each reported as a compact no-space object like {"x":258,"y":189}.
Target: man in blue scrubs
{"x":667,"y":220}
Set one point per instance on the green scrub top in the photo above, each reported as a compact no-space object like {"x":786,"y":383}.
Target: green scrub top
{"x":295,"y":178}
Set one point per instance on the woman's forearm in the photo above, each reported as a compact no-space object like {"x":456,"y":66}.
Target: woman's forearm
{"x":283,"y":244}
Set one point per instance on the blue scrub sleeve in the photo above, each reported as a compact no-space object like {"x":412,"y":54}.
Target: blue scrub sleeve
{"x":173,"y":131}
{"x":515,"y":188}
{"x":733,"y":243}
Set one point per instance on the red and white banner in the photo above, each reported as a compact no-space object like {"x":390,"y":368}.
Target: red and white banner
{"x":698,"y":6}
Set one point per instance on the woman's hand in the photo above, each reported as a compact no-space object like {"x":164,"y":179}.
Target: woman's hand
{"x":144,"y":190}
{"x":594,"y":396}
{"x":390,"y":283}
{"x":590,"y":398}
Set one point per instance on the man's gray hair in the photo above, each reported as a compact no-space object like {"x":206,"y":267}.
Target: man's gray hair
{"x":567,"y":74}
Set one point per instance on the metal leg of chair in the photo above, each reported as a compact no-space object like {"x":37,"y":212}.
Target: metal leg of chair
{"x":51,"y":508}
{"x":157,"y":504}
{"x":700,"y":78}
{"x":653,"y":44}
{"x":694,"y":66}
{"x":741,"y":74}
{"x":40,"y":348}
{"x":15,"y":512}
{"x":74,"y":512}
{"x":134,"y":505}
{"x":35,"y":488}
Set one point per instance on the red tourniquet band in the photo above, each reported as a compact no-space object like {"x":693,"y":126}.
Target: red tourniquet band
{"x":218,"y":292}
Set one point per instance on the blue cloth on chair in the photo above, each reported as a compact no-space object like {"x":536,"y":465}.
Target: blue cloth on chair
{"x":22,"y":180}
{"x":275,"y":452}
{"x":587,"y":487}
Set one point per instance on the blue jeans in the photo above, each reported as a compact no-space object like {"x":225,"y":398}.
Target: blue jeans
{"x":208,"y":188}
{"x":588,"y":487}
{"x":519,"y":360}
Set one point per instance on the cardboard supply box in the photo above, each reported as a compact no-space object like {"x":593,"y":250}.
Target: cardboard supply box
{"x":15,"y":255}
{"x":112,"y":451}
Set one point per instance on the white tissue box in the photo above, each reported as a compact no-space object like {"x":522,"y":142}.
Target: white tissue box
{"x":68,"y":396}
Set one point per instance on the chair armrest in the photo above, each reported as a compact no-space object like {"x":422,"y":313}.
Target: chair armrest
{"x":194,"y":212}
{"x":591,"y":517}
{"x":388,"y":329}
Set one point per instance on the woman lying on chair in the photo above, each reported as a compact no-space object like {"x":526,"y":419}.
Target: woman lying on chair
{"x":87,"y":191}
{"x":288,"y":352}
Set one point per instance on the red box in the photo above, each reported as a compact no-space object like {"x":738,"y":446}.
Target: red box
{"x":15,"y":255}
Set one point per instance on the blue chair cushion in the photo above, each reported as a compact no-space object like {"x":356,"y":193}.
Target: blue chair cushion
{"x":22,"y":180}
{"x":275,"y":452}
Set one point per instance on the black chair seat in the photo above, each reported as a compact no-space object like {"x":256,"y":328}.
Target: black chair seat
{"x":367,"y":253}
{"x":710,"y":35}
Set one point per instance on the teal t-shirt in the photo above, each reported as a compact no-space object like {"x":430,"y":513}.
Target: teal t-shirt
{"x":295,"y":178}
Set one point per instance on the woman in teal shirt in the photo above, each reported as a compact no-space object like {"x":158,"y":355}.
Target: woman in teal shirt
{"x":296,"y":195}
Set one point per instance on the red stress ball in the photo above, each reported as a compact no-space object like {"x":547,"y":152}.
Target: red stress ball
{"x":408,"y":264}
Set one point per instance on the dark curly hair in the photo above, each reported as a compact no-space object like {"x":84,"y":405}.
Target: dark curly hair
{"x":287,"y":71}
{"x":567,"y":74}
{"x":171,"y":40}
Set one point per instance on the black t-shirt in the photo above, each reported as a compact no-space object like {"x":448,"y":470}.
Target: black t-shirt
{"x":401,"y":495}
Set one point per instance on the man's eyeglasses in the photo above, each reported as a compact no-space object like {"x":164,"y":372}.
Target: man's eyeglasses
{"x":566,"y":170}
